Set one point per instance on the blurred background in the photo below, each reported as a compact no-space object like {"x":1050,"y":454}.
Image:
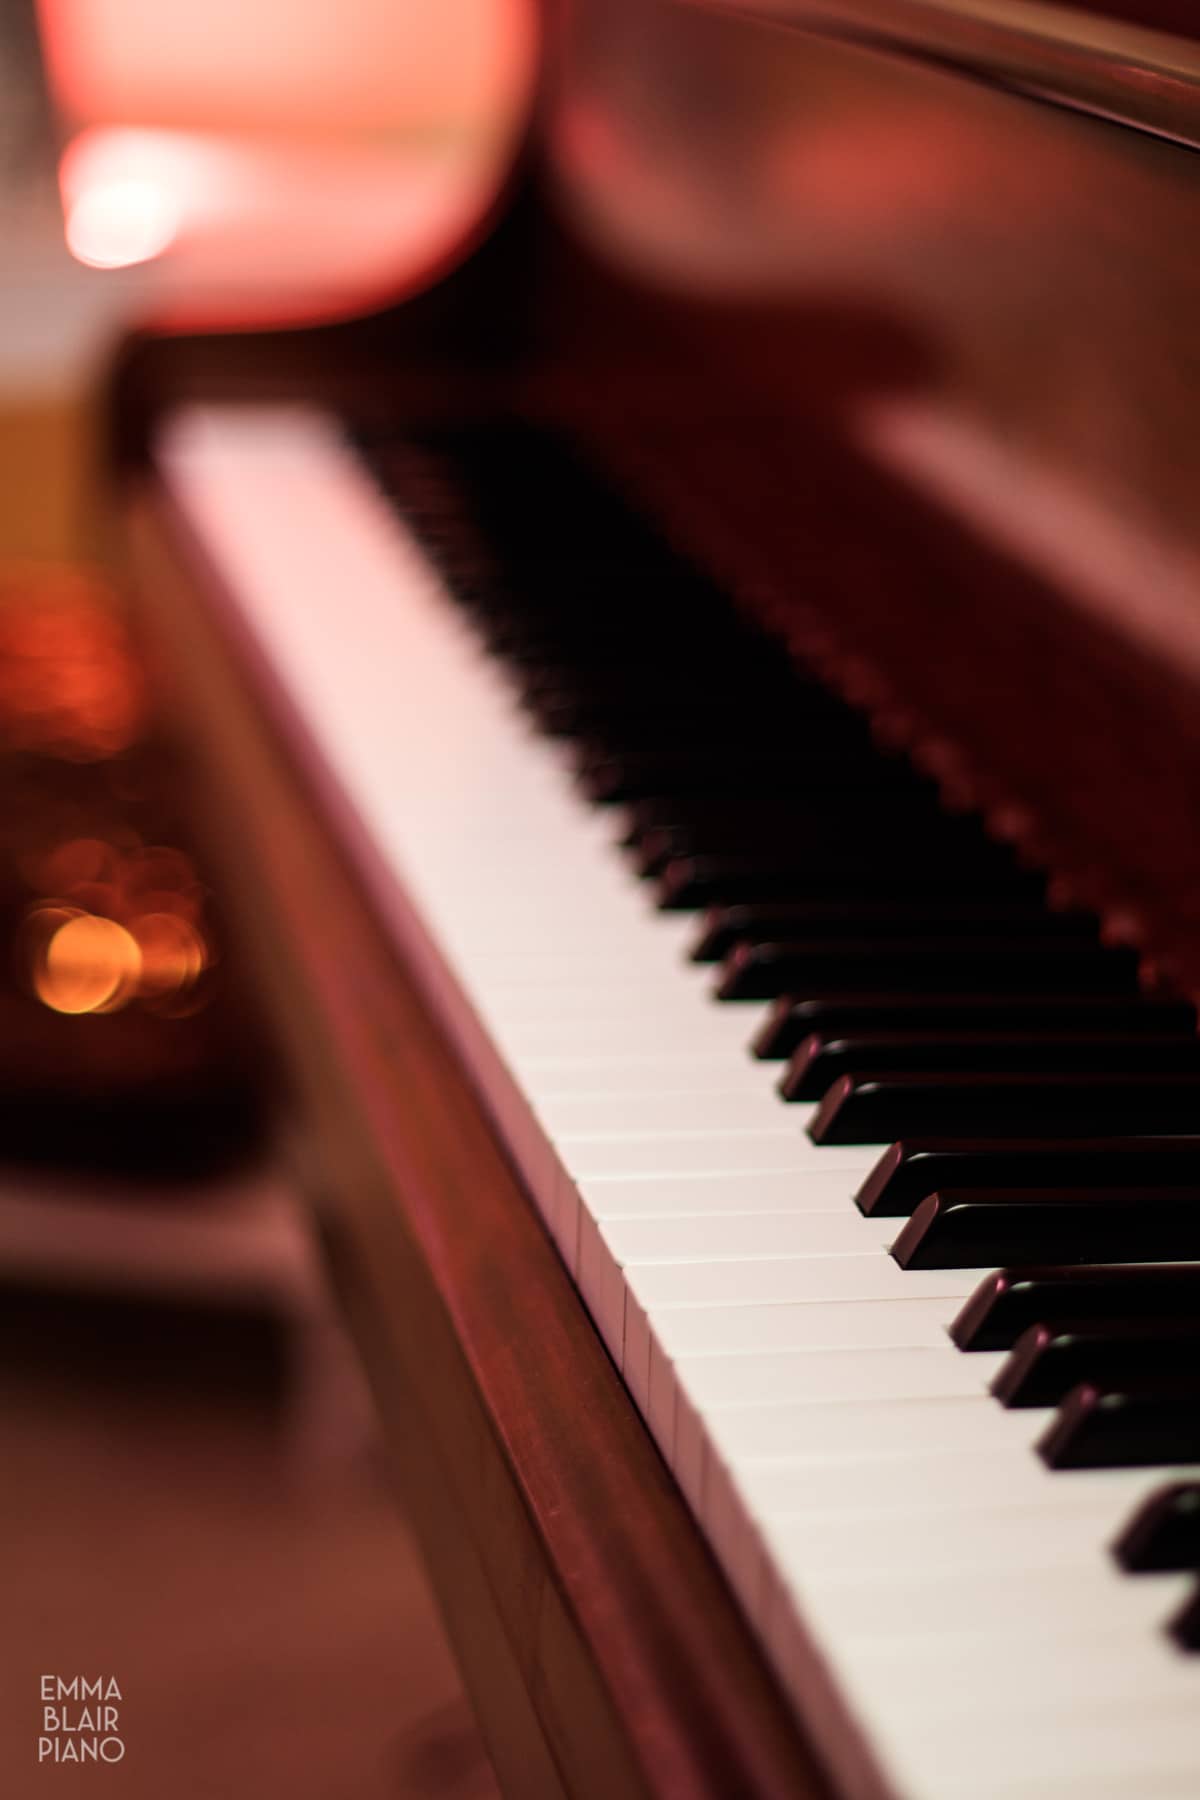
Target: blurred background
{"x":193,"y":1501}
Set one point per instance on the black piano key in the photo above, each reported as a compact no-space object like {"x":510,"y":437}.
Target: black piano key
{"x":597,"y":639}
{"x":723,"y":928}
{"x":764,"y":971}
{"x":704,"y":661}
{"x":792,"y":1019}
{"x":731,"y":879}
{"x":1005,"y":1304}
{"x":1164,"y":1533}
{"x":822,"y":1059}
{"x":562,"y":703}
{"x":1184,"y":1628}
{"x":806,"y":808}
{"x":873,"y":1108}
{"x":665,"y":778}
{"x":807,"y":827}
{"x":814,"y":839}
{"x":568,"y":703}
{"x":915,"y":1167}
{"x":973,"y":1228}
{"x":664,"y":721}
{"x":1048,"y":1360}
{"x":1128,"y":1426}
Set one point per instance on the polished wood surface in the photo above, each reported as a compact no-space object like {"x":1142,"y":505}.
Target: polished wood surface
{"x":1132,"y":60}
{"x":603,"y":1652}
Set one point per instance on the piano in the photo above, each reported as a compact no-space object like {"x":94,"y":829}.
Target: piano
{"x":701,"y":711}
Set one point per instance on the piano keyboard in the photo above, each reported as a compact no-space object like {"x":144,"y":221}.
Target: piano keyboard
{"x":841,"y":1452}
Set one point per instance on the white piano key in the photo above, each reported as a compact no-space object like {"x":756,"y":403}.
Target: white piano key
{"x":687,"y":1400}
{"x":787,"y":1430}
{"x":687,"y":1072}
{"x":608,"y":1248}
{"x":821,"y":1374}
{"x":562,"y":1035}
{"x":709,"y":1153}
{"x":1039,"y":1756}
{"x":812,"y":1190}
{"x":1023,"y":1539}
{"x":861,"y":1277}
{"x":588,"y":1117}
{"x":821,"y":1324}
{"x":935,"y":1480}
{"x":979,"y":1681}
{"x":750,"y":1235}
{"x":618,"y":958}
{"x":915,"y":1604}
{"x":596,"y":1002}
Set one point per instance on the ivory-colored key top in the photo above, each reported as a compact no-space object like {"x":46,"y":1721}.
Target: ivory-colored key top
{"x":923,"y":1603}
{"x":780,"y":1430}
{"x":652,"y":1033}
{"x":682,"y":1404}
{"x":810,"y":1190}
{"x":1020,"y":1538}
{"x":937,"y":1480}
{"x":684,"y":1072}
{"x":981,"y":1679}
{"x":783,"y":1376}
{"x":631,"y":1002}
{"x":787,"y":1279}
{"x":747,"y":1236}
{"x":607,"y":1249}
{"x":820,"y":1324}
{"x":701,"y":1153}
{"x":627,"y":1115}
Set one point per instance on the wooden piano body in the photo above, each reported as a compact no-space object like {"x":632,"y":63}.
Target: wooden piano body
{"x":890,"y":310}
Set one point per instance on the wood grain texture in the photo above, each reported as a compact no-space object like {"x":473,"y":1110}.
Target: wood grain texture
{"x":604,"y":1653}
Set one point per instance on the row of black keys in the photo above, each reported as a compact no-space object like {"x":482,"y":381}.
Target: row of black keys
{"x":921,"y":983}
{"x":1115,"y":1350}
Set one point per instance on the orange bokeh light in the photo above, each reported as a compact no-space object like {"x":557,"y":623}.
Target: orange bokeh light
{"x":89,"y":965}
{"x":124,"y":925}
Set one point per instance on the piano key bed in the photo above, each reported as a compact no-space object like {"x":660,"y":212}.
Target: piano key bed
{"x":876,"y":1178}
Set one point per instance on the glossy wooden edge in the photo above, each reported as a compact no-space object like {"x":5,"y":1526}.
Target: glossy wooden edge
{"x":604,"y":1653}
{"x":1094,"y":63}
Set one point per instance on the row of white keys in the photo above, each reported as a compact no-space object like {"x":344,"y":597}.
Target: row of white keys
{"x":799,"y":1383}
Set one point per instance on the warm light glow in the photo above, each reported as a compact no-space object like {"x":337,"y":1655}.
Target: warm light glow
{"x":172,"y":953}
{"x":127,"y":193}
{"x":258,"y":225}
{"x":70,"y":685}
{"x":359,"y":67}
{"x":284,"y":161}
{"x":118,"y":223}
{"x":63,"y":868}
{"x":89,"y":965}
